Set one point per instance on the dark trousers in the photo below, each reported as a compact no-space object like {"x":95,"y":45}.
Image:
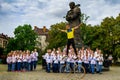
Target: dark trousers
{"x":9,"y":66}
{"x":48,"y":67}
{"x":55,"y":67}
{"x":32,"y":65}
{"x":71,"y":42}
{"x":86,"y":67}
{"x":18,"y":66}
{"x":35,"y":64}
{"x":25,"y":65}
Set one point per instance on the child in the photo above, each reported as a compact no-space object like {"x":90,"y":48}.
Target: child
{"x":92,"y":63}
{"x":9,"y":62}
{"x":55,"y":63}
{"x":24,"y":61}
{"x":79,"y":61}
{"x":68,"y":63}
{"x":86,"y":62}
{"x":13,"y":60}
{"x":100,"y":63}
{"x":19,"y":60}
{"x":29,"y":61}
{"x":62,"y":61}
{"x":49,"y":60}
{"x":72,"y":59}
{"x":35,"y":58}
{"x":32,"y":60}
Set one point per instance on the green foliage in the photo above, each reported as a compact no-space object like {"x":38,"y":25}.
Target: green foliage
{"x":56,"y":37}
{"x":1,"y":50}
{"x":24,"y":39}
{"x":105,"y":36}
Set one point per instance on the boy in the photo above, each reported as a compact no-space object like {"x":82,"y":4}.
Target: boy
{"x":49,"y":59}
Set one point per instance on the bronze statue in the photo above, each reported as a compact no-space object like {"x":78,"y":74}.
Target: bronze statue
{"x":73,"y":18}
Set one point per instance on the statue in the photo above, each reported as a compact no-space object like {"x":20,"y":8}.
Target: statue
{"x":73,"y":18}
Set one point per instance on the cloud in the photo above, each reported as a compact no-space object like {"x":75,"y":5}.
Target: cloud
{"x":48,"y":12}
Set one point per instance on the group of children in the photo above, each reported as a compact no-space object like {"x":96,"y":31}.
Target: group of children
{"x":91,"y":60}
{"x":22,"y":60}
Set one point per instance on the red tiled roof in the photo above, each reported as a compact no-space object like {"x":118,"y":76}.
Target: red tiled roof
{"x":41,"y":31}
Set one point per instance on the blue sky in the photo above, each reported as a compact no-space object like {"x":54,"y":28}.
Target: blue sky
{"x":47,"y":12}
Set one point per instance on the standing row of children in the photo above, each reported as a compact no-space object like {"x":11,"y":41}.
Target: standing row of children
{"x":22,"y":60}
{"x":91,"y":60}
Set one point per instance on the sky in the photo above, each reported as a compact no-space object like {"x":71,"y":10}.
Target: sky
{"x":47,"y":12}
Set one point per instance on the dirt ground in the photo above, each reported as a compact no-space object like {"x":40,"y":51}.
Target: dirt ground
{"x":39,"y":74}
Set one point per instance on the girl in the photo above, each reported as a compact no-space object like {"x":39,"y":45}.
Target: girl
{"x":9,"y":62}
{"x":24,"y":61}
{"x":29,"y":61}
{"x":100,"y":62}
{"x":19,"y":60}
{"x":35,"y":58}
{"x":13,"y":60}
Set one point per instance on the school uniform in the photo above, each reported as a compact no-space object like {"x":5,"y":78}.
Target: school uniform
{"x":62,"y":62}
{"x":72,"y":61}
{"x":44,"y":61}
{"x":9,"y":62}
{"x":29,"y":62}
{"x":79,"y":61}
{"x":100,"y":63}
{"x":49,"y":60}
{"x":92,"y":64}
{"x":13,"y":62}
{"x":86,"y":64}
{"x":32,"y":61}
{"x":25,"y":62}
{"x":67,"y":64}
{"x":55,"y":63}
{"x":35,"y":59}
{"x":19,"y":60}
{"x":97,"y":63}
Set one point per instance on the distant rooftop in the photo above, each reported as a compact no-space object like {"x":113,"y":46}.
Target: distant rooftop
{"x":4,"y":36}
{"x":41,"y":31}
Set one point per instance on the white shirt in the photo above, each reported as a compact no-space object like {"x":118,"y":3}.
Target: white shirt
{"x":86,"y":60}
{"x":92,"y":60}
{"x":19,"y":58}
{"x":49,"y":59}
{"x":35,"y":56}
{"x":9,"y":59}
{"x":55,"y":59}
{"x":29,"y":59}
{"x":13,"y":59}
{"x":62,"y":61}
{"x":72,"y":58}
{"x":100,"y":62}
{"x":24,"y":58}
{"x":79,"y":60}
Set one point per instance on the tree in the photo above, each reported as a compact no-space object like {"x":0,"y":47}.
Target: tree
{"x":56,"y":37}
{"x":24,"y":38}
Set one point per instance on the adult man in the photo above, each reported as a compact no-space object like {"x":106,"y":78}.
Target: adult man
{"x":73,"y":18}
{"x":70,"y":36}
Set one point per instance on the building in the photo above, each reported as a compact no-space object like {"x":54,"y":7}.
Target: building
{"x":42,"y":37}
{"x":3,"y":40}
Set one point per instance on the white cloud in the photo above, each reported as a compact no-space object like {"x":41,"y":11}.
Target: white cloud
{"x":48,"y":12}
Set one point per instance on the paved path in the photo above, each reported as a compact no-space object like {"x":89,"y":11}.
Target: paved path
{"x":39,"y":74}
